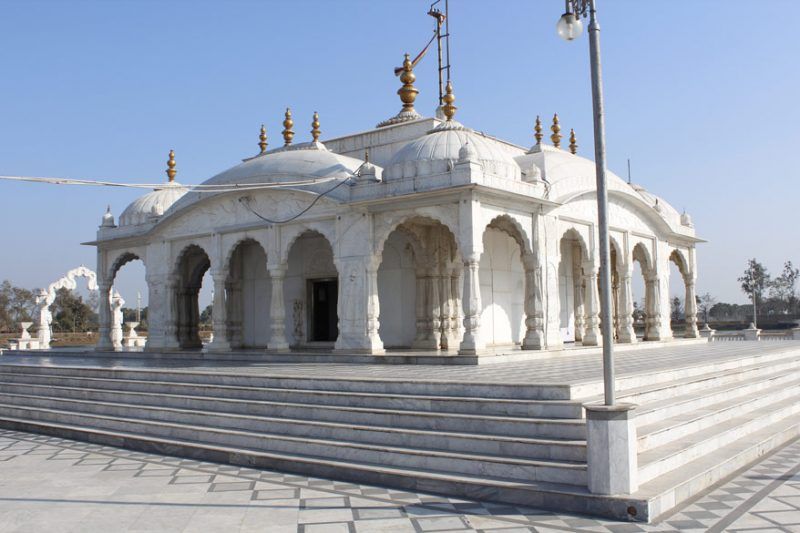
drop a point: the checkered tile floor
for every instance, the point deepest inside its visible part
(53, 484)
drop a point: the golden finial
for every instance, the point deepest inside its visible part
(171, 166)
(288, 134)
(366, 156)
(573, 142)
(315, 127)
(448, 108)
(262, 138)
(556, 129)
(538, 129)
(408, 93)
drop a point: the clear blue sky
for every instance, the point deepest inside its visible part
(701, 95)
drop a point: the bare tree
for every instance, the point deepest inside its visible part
(704, 303)
(755, 281)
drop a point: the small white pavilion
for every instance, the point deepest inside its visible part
(420, 234)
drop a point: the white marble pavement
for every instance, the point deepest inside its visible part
(53, 484)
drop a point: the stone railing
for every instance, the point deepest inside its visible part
(750, 334)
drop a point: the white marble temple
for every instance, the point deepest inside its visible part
(445, 239)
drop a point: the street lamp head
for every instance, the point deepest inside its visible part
(569, 26)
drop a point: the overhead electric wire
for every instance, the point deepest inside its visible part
(208, 188)
(245, 202)
(225, 187)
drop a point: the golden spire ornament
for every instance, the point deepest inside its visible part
(408, 93)
(315, 133)
(288, 133)
(538, 129)
(449, 109)
(171, 172)
(262, 139)
(556, 129)
(573, 142)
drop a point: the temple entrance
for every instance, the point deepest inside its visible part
(323, 298)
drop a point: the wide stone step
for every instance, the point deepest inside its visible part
(470, 464)
(423, 387)
(666, 390)
(691, 479)
(242, 414)
(447, 404)
(662, 459)
(697, 401)
(696, 375)
(673, 428)
(566, 429)
(560, 497)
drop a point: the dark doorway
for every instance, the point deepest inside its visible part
(324, 297)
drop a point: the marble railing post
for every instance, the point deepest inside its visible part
(472, 343)
(104, 316)
(219, 315)
(626, 333)
(374, 343)
(690, 307)
(534, 317)
(591, 335)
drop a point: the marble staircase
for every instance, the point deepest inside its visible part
(508, 442)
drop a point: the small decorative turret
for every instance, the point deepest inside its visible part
(288, 123)
(108, 219)
(262, 139)
(556, 129)
(171, 172)
(538, 129)
(315, 133)
(573, 142)
(448, 99)
(408, 93)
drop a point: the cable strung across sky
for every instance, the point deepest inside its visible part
(227, 187)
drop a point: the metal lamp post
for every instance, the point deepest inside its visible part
(570, 27)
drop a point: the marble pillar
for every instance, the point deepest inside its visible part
(374, 343)
(277, 311)
(219, 315)
(104, 316)
(591, 335)
(690, 307)
(534, 313)
(625, 331)
(472, 343)
(435, 310)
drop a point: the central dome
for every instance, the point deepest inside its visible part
(438, 150)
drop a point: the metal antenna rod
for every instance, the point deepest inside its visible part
(447, 34)
(629, 171)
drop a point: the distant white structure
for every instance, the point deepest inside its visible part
(428, 235)
(46, 297)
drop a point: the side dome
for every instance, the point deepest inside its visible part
(442, 147)
(152, 204)
(290, 163)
